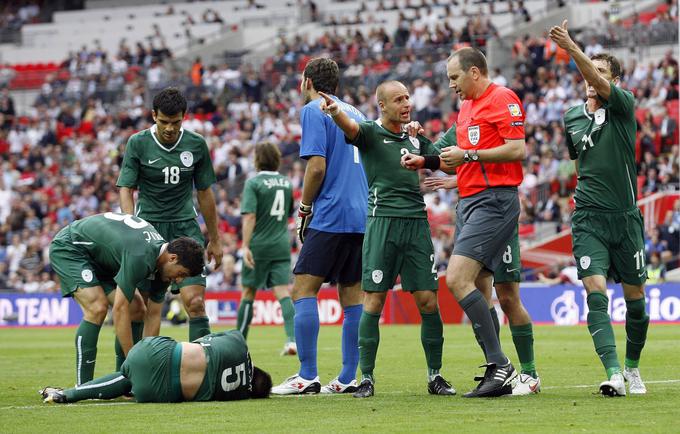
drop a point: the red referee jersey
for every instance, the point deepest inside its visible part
(485, 123)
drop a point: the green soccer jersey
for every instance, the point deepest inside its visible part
(229, 373)
(604, 145)
(123, 247)
(448, 139)
(166, 175)
(269, 196)
(393, 191)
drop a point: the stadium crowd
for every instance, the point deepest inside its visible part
(61, 160)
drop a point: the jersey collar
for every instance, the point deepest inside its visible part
(379, 122)
(585, 111)
(155, 139)
(267, 172)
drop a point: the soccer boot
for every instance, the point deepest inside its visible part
(439, 386)
(296, 385)
(526, 385)
(290, 349)
(53, 395)
(497, 381)
(615, 386)
(635, 384)
(335, 386)
(365, 389)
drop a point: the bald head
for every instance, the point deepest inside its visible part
(386, 89)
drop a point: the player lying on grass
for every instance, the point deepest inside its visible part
(216, 367)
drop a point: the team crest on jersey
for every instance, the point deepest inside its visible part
(87, 275)
(514, 110)
(187, 158)
(473, 135)
(585, 262)
(599, 116)
(377, 276)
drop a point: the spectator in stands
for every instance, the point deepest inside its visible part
(656, 270)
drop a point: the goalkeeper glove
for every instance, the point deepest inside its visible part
(303, 219)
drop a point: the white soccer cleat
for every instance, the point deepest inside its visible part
(635, 384)
(335, 386)
(526, 385)
(615, 386)
(296, 385)
(290, 349)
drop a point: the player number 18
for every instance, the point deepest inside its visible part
(171, 174)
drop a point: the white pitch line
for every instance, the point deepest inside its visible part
(91, 404)
(583, 386)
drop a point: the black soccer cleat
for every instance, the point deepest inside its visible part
(497, 381)
(365, 390)
(53, 395)
(439, 386)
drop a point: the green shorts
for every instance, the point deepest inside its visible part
(511, 265)
(184, 228)
(74, 266)
(266, 274)
(610, 245)
(398, 246)
(153, 368)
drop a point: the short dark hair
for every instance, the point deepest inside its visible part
(469, 57)
(614, 64)
(324, 74)
(189, 254)
(170, 101)
(261, 384)
(267, 156)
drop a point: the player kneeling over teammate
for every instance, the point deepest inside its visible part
(216, 367)
(397, 240)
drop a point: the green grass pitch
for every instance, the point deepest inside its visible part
(569, 369)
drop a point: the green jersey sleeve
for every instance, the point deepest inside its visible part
(249, 198)
(363, 138)
(204, 175)
(621, 101)
(129, 172)
(448, 139)
(426, 146)
(133, 269)
(570, 147)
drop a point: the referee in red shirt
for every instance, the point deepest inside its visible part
(490, 135)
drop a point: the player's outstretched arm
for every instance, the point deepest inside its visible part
(127, 200)
(560, 35)
(344, 122)
(206, 202)
(121, 320)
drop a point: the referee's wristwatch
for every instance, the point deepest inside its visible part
(470, 156)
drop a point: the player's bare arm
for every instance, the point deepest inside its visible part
(315, 172)
(591, 74)
(127, 200)
(346, 124)
(121, 320)
(206, 202)
(248, 222)
(152, 320)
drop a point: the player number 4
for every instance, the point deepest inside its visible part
(639, 259)
(278, 210)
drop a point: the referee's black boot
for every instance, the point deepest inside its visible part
(497, 381)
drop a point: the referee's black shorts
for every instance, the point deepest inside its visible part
(334, 256)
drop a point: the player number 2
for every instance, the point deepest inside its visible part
(171, 174)
(234, 377)
(639, 259)
(356, 154)
(434, 267)
(507, 255)
(277, 207)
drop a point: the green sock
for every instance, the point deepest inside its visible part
(87, 336)
(107, 387)
(137, 331)
(432, 338)
(523, 338)
(245, 316)
(637, 322)
(288, 313)
(600, 327)
(369, 338)
(198, 327)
